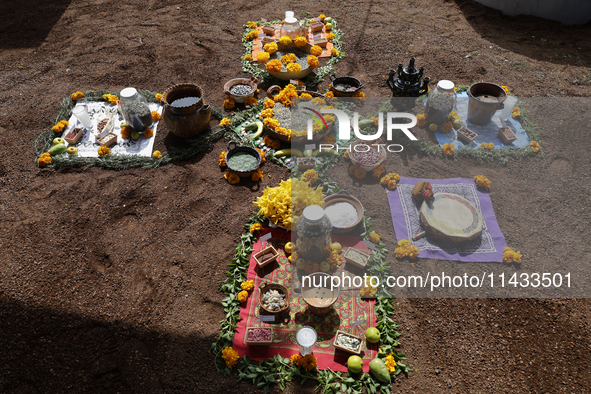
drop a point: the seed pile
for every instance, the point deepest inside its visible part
(259, 334)
(241, 89)
(372, 156)
(348, 342)
(273, 300)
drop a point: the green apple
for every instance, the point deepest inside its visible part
(328, 26)
(58, 141)
(324, 266)
(328, 19)
(135, 135)
(355, 364)
(72, 151)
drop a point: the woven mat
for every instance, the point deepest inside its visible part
(258, 47)
(405, 217)
(348, 309)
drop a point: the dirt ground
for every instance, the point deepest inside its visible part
(108, 280)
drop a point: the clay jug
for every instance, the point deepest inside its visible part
(485, 99)
(185, 112)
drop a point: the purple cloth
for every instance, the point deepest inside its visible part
(405, 217)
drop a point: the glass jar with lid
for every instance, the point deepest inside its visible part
(135, 110)
(290, 26)
(441, 102)
(313, 231)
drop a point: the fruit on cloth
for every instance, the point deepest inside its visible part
(288, 247)
(372, 335)
(336, 247)
(355, 364)
(324, 266)
(378, 369)
(328, 26)
(135, 135)
(432, 127)
(72, 151)
(259, 129)
(301, 264)
(57, 149)
(59, 141)
(457, 124)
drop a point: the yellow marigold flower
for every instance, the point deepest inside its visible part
(330, 36)
(300, 41)
(274, 66)
(225, 122)
(334, 51)
(516, 113)
(294, 68)
(257, 175)
(404, 242)
(248, 57)
(156, 116)
(506, 89)
(421, 120)
(44, 160)
(157, 155)
(232, 178)
(308, 362)
(65, 123)
(535, 146)
(359, 96)
(374, 237)
(487, 146)
(390, 364)
(268, 113)
(222, 159)
(111, 98)
(448, 149)
(271, 47)
(104, 150)
(252, 25)
(158, 96)
(58, 128)
(305, 97)
(316, 50)
(359, 173)
(310, 176)
(248, 285)
(482, 181)
(271, 123)
(346, 155)
(252, 35)
(269, 103)
(229, 103)
(511, 256)
(322, 17)
(230, 356)
(250, 101)
(392, 184)
(412, 252)
(400, 252)
(378, 171)
(375, 120)
(285, 40)
(254, 228)
(329, 139)
(368, 292)
(446, 127)
(263, 159)
(330, 95)
(263, 57)
(289, 58)
(319, 101)
(282, 130)
(148, 133)
(75, 96)
(126, 132)
(313, 61)
(295, 359)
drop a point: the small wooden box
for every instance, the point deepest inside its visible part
(507, 135)
(321, 42)
(269, 30)
(267, 40)
(466, 135)
(318, 26)
(364, 256)
(358, 351)
(108, 140)
(259, 255)
(77, 135)
(269, 342)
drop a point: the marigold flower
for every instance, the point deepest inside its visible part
(273, 143)
(75, 96)
(359, 173)
(294, 68)
(516, 113)
(230, 356)
(319, 101)
(300, 41)
(268, 113)
(252, 25)
(374, 237)
(44, 160)
(330, 36)
(421, 120)
(247, 285)
(225, 122)
(263, 57)
(148, 133)
(248, 57)
(391, 185)
(158, 96)
(334, 51)
(254, 228)
(535, 146)
(405, 249)
(156, 116)
(313, 61)
(250, 101)
(321, 17)
(390, 364)
(222, 159)
(268, 103)
(257, 175)
(295, 359)
(157, 155)
(330, 95)
(104, 151)
(111, 98)
(263, 159)
(232, 178)
(305, 97)
(506, 89)
(448, 149)
(58, 128)
(310, 176)
(271, 123)
(511, 256)
(482, 181)
(487, 146)
(316, 50)
(308, 362)
(229, 103)
(289, 58)
(126, 132)
(252, 35)
(359, 96)
(368, 292)
(271, 47)
(285, 40)
(274, 66)
(346, 155)
(378, 171)
(446, 127)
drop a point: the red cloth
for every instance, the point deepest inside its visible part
(348, 308)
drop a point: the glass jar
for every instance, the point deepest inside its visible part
(135, 110)
(441, 102)
(290, 26)
(313, 230)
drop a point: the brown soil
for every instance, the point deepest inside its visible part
(108, 280)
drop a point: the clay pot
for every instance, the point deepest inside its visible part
(233, 148)
(252, 82)
(351, 81)
(185, 121)
(485, 99)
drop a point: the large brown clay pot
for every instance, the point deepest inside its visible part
(188, 120)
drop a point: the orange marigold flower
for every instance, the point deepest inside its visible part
(359, 96)
(232, 178)
(482, 181)
(446, 127)
(448, 149)
(535, 146)
(310, 176)
(511, 256)
(250, 102)
(254, 228)
(274, 66)
(157, 154)
(359, 173)
(487, 146)
(305, 97)
(271, 123)
(225, 122)
(334, 51)
(126, 132)
(313, 61)
(300, 41)
(104, 151)
(158, 96)
(295, 359)
(263, 159)
(263, 57)
(252, 35)
(268, 113)
(309, 362)
(378, 171)
(257, 175)
(222, 159)
(421, 120)
(506, 89)
(229, 103)
(269, 103)
(252, 25)
(75, 96)
(330, 36)
(321, 17)
(294, 68)
(230, 356)
(374, 237)
(391, 184)
(330, 95)
(247, 285)
(44, 160)
(148, 133)
(156, 116)
(271, 47)
(316, 50)
(289, 58)
(285, 40)
(248, 57)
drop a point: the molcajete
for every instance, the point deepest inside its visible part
(185, 112)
